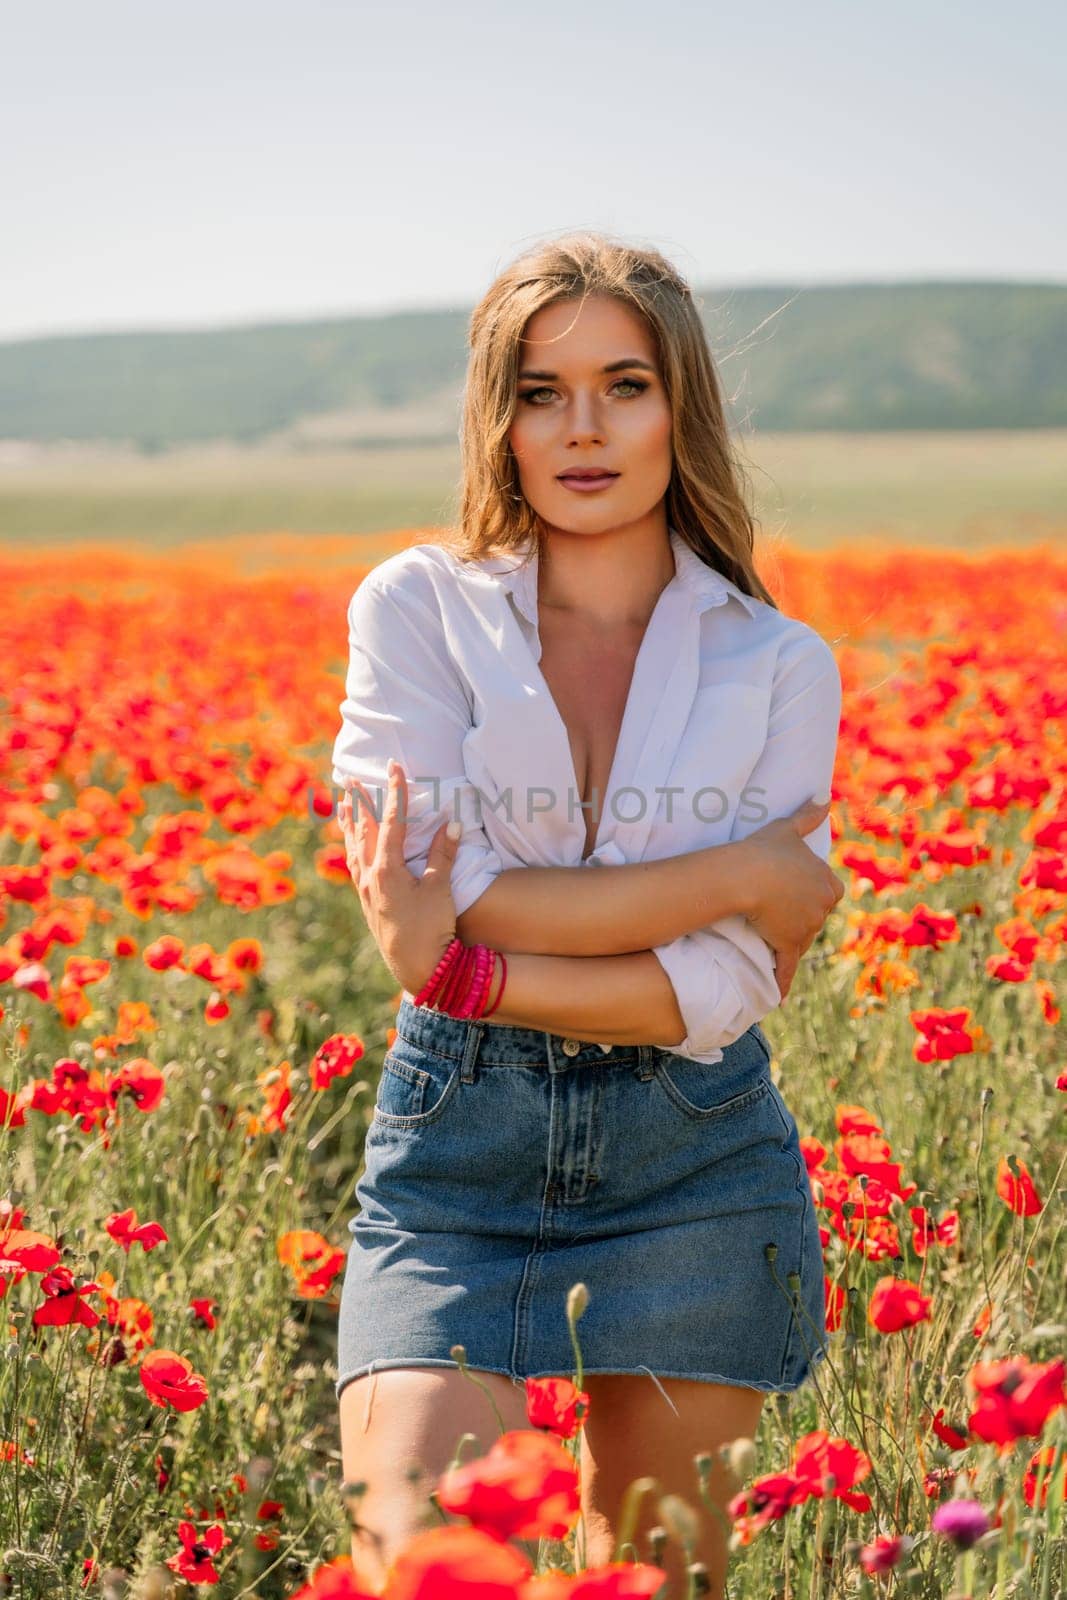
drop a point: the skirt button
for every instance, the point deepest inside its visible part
(571, 1047)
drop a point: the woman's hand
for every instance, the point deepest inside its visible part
(794, 889)
(412, 919)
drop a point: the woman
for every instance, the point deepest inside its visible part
(588, 673)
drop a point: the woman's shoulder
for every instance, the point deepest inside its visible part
(411, 569)
(789, 638)
(803, 659)
(413, 574)
(425, 584)
(789, 632)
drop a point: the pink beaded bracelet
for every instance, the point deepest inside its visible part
(462, 981)
(433, 982)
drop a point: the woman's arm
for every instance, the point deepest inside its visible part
(610, 910)
(702, 989)
(625, 999)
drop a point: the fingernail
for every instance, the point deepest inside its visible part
(454, 829)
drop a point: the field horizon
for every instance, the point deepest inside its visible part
(977, 489)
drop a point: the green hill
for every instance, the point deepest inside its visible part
(855, 358)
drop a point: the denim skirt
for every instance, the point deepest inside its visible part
(504, 1165)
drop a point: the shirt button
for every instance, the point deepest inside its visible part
(571, 1047)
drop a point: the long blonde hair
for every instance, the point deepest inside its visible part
(705, 500)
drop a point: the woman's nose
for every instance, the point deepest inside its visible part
(584, 422)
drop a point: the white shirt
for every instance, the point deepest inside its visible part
(728, 697)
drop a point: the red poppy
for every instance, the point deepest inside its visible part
(925, 1231)
(944, 1033)
(895, 1304)
(1046, 996)
(216, 1009)
(818, 1461)
(246, 955)
(855, 1119)
(335, 1058)
(313, 1260)
(198, 1549)
(24, 1250)
(1043, 1460)
(765, 1500)
(813, 1152)
(526, 1487)
(982, 1322)
(818, 1457)
(453, 1562)
(140, 1080)
(169, 1380)
(333, 1580)
(163, 953)
(954, 1438)
(1015, 1397)
(1017, 1192)
(556, 1404)
(123, 1227)
(65, 1301)
(885, 1551)
(204, 1312)
(834, 1298)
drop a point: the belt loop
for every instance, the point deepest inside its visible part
(468, 1072)
(646, 1067)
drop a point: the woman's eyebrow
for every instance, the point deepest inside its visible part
(612, 366)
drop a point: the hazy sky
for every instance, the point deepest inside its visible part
(175, 164)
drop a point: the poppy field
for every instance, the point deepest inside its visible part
(192, 1023)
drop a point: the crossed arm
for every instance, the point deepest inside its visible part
(625, 954)
(579, 940)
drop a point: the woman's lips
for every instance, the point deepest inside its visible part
(587, 485)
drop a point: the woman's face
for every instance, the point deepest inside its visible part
(573, 413)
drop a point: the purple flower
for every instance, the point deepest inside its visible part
(962, 1521)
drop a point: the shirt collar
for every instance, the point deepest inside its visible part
(708, 587)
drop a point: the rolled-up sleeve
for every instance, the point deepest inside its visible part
(405, 699)
(723, 975)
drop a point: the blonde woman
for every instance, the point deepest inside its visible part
(586, 673)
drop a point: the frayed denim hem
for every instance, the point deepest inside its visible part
(765, 1387)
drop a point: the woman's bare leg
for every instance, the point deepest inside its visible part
(633, 1432)
(405, 1420)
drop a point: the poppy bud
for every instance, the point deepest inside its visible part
(577, 1300)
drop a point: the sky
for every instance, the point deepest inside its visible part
(219, 162)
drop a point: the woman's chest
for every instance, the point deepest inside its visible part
(590, 677)
(649, 719)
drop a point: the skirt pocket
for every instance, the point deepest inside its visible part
(736, 1083)
(681, 1086)
(416, 1085)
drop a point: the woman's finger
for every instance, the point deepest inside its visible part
(352, 819)
(365, 828)
(391, 837)
(348, 831)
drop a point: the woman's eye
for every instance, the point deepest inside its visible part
(630, 383)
